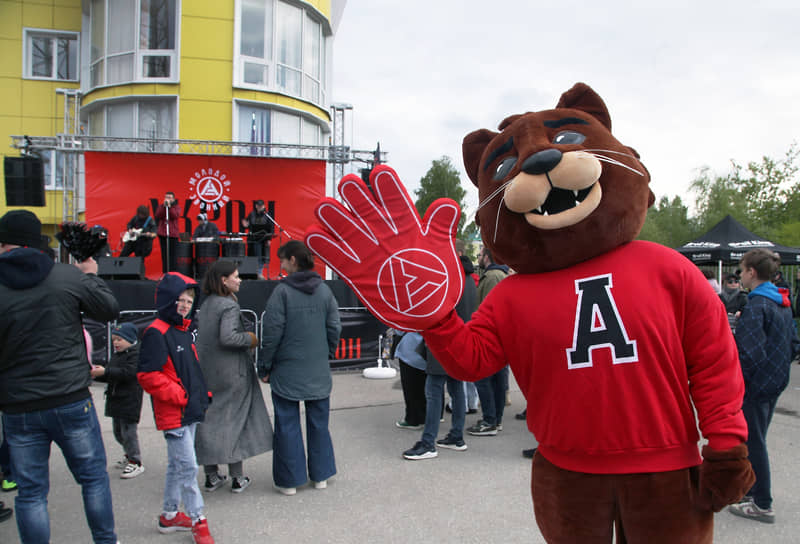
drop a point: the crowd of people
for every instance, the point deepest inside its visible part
(196, 364)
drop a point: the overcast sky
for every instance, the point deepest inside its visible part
(688, 83)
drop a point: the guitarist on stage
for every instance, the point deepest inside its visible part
(139, 236)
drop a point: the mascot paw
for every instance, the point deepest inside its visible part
(725, 476)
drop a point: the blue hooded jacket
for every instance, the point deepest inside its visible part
(767, 342)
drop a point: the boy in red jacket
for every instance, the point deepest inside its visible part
(170, 373)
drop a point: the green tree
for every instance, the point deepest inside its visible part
(668, 223)
(441, 181)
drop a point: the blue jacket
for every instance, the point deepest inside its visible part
(168, 364)
(767, 342)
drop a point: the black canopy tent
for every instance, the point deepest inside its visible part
(727, 241)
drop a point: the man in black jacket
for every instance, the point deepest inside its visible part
(44, 376)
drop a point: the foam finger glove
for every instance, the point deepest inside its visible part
(403, 268)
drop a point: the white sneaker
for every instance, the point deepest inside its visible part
(132, 470)
(286, 490)
(321, 485)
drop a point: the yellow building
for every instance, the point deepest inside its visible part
(149, 75)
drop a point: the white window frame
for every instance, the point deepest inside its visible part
(273, 108)
(27, 60)
(271, 64)
(139, 52)
(137, 100)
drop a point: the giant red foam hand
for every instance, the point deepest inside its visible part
(405, 270)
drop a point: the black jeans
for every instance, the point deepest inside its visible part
(173, 243)
(758, 414)
(413, 382)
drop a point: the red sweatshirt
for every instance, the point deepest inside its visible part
(613, 355)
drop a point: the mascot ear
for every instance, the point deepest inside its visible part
(472, 149)
(582, 97)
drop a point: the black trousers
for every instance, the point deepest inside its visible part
(413, 382)
(173, 243)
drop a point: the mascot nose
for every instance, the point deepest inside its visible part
(541, 162)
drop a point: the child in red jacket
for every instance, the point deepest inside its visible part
(170, 373)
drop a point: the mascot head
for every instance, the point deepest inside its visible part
(555, 186)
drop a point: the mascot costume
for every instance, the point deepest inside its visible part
(619, 346)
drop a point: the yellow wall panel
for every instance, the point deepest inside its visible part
(11, 93)
(206, 80)
(37, 15)
(38, 99)
(67, 17)
(11, 58)
(219, 9)
(10, 125)
(202, 120)
(206, 39)
(10, 19)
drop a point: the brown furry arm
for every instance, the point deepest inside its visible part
(725, 476)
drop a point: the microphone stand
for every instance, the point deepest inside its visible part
(280, 230)
(166, 210)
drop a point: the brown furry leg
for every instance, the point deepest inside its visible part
(661, 507)
(571, 507)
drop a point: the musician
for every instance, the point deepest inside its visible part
(139, 234)
(205, 228)
(261, 230)
(167, 215)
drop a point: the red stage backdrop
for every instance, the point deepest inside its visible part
(222, 186)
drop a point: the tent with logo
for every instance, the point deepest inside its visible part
(727, 241)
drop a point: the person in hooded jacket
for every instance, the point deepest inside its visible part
(44, 376)
(124, 396)
(300, 333)
(767, 343)
(169, 371)
(733, 298)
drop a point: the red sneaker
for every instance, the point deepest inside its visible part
(181, 522)
(200, 533)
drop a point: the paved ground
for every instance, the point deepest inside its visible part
(480, 495)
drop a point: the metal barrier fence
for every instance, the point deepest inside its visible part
(359, 343)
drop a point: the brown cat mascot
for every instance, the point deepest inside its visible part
(619, 346)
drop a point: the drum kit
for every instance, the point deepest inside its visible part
(194, 257)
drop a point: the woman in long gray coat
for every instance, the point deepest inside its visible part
(237, 424)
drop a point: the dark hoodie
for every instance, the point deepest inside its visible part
(43, 361)
(306, 281)
(168, 365)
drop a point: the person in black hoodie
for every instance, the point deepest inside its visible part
(44, 375)
(124, 395)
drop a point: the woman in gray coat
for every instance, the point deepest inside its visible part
(300, 333)
(237, 424)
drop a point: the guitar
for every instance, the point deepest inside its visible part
(134, 234)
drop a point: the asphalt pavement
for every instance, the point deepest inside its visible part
(481, 495)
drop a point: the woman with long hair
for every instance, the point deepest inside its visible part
(237, 425)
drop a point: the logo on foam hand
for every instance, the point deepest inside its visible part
(413, 282)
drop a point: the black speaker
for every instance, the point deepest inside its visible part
(24, 181)
(121, 268)
(249, 267)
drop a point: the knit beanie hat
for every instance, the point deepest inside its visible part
(126, 331)
(21, 228)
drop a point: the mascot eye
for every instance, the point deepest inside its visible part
(569, 137)
(504, 168)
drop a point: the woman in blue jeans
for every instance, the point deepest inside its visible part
(300, 333)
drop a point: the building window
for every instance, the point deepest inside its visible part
(51, 54)
(259, 124)
(141, 46)
(53, 162)
(144, 119)
(280, 47)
